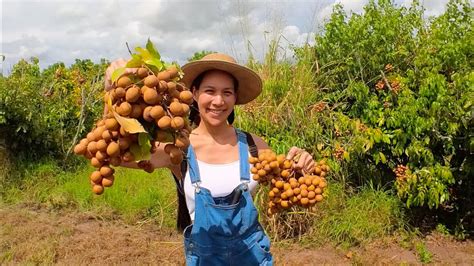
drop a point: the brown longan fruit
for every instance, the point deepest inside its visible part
(311, 195)
(186, 108)
(151, 96)
(108, 181)
(101, 156)
(253, 160)
(157, 112)
(113, 149)
(98, 132)
(132, 94)
(322, 184)
(124, 109)
(318, 197)
(90, 136)
(164, 122)
(92, 147)
(106, 135)
(172, 72)
(304, 201)
(95, 162)
(171, 85)
(176, 108)
(254, 170)
(146, 114)
(163, 86)
(106, 171)
(96, 177)
(151, 81)
(124, 81)
(304, 193)
(316, 181)
(279, 184)
(98, 189)
(80, 149)
(318, 190)
(177, 122)
(317, 170)
(120, 92)
(284, 204)
(142, 72)
(181, 142)
(111, 124)
(173, 92)
(164, 75)
(84, 142)
(124, 143)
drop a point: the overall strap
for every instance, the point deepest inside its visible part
(251, 143)
(193, 167)
(243, 156)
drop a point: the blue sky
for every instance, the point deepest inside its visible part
(61, 31)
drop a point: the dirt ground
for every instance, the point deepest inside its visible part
(33, 235)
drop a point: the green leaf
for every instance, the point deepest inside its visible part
(154, 62)
(143, 53)
(136, 61)
(346, 156)
(142, 150)
(382, 158)
(117, 73)
(151, 48)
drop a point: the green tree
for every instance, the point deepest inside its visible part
(199, 55)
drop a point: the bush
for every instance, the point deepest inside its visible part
(43, 111)
(387, 96)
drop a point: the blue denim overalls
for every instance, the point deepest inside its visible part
(224, 233)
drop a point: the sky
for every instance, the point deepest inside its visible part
(63, 30)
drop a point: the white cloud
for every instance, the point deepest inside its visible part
(55, 30)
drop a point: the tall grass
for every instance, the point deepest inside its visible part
(136, 196)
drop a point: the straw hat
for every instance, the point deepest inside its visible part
(250, 84)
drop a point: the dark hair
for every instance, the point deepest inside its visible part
(194, 114)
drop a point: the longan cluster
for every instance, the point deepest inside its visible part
(105, 146)
(159, 102)
(401, 172)
(288, 187)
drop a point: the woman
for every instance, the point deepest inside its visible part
(224, 226)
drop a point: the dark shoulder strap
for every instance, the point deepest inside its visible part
(252, 147)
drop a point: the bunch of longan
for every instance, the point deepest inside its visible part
(288, 187)
(159, 102)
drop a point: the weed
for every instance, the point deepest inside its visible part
(424, 255)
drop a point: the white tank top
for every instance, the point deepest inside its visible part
(219, 179)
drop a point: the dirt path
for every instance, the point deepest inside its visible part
(35, 235)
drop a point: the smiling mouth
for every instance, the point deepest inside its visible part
(215, 112)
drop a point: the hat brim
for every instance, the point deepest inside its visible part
(250, 84)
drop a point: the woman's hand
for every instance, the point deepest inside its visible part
(303, 160)
(110, 70)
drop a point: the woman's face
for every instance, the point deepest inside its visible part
(215, 97)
